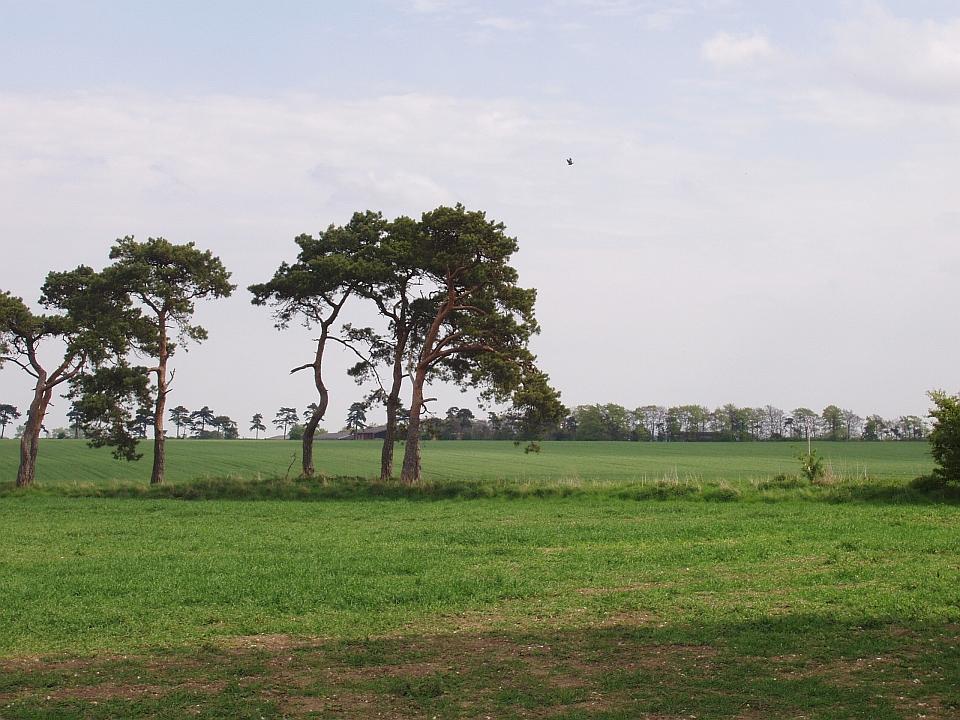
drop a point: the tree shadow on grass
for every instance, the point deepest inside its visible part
(623, 667)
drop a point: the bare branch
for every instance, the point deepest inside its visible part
(363, 359)
(302, 367)
(24, 366)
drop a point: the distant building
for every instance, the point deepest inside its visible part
(377, 432)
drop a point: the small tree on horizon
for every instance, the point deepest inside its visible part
(284, 418)
(8, 413)
(256, 424)
(226, 426)
(180, 417)
(357, 416)
(75, 416)
(142, 420)
(199, 419)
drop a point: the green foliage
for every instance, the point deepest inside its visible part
(945, 437)
(484, 320)
(601, 422)
(92, 321)
(256, 424)
(166, 279)
(285, 417)
(811, 466)
(357, 416)
(199, 419)
(154, 286)
(296, 432)
(329, 268)
(108, 403)
(180, 417)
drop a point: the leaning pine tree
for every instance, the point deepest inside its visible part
(89, 322)
(313, 291)
(480, 323)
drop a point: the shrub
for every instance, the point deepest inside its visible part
(811, 466)
(721, 493)
(296, 432)
(945, 437)
(782, 481)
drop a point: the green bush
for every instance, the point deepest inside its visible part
(811, 466)
(721, 493)
(296, 432)
(945, 437)
(783, 481)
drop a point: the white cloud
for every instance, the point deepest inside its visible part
(909, 59)
(725, 50)
(507, 24)
(433, 6)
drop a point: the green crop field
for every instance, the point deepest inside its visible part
(73, 461)
(581, 597)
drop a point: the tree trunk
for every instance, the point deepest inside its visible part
(389, 439)
(393, 405)
(30, 440)
(308, 434)
(311, 429)
(159, 441)
(411, 452)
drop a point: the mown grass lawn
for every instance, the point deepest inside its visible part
(591, 606)
(72, 461)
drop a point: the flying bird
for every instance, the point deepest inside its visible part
(569, 161)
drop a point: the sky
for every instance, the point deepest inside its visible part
(764, 205)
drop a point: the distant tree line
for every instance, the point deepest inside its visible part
(697, 423)
(685, 423)
(648, 423)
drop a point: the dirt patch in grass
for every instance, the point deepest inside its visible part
(632, 587)
(112, 691)
(617, 667)
(348, 706)
(269, 643)
(461, 675)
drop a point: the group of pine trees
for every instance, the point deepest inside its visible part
(449, 304)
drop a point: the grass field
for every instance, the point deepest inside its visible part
(72, 461)
(592, 605)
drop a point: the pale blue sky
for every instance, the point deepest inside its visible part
(763, 208)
